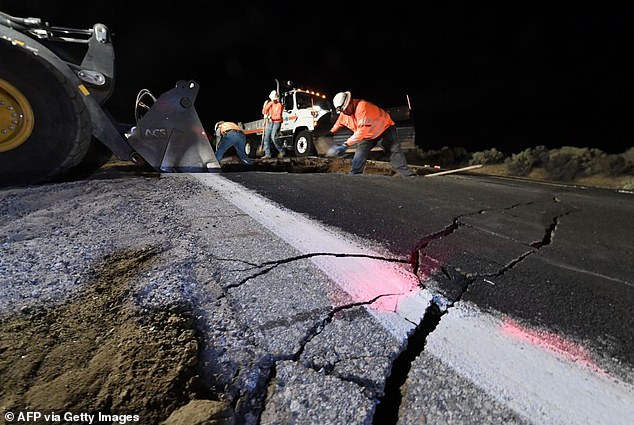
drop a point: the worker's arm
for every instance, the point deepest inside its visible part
(371, 121)
(338, 125)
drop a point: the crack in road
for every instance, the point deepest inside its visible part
(549, 234)
(388, 407)
(414, 258)
(259, 401)
(267, 266)
(415, 339)
(311, 333)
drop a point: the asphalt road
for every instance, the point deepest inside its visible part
(555, 262)
(330, 299)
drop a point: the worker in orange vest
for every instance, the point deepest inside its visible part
(229, 134)
(370, 125)
(272, 111)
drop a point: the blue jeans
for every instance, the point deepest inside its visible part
(270, 135)
(391, 144)
(236, 139)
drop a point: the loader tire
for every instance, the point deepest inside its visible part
(303, 145)
(97, 155)
(45, 128)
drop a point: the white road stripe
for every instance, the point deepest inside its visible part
(531, 380)
(401, 304)
(535, 382)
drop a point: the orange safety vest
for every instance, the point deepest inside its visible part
(227, 126)
(367, 122)
(274, 109)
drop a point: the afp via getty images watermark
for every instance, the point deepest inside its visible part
(35, 416)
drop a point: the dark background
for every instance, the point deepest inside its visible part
(476, 76)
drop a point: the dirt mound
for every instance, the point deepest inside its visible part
(101, 353)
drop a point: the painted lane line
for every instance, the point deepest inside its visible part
(540, 382)
(535, 380)
(401, 304)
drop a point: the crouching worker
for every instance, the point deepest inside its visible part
(370, 125)
(230, 134)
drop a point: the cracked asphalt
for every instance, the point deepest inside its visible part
(556, 259)
(281, 341)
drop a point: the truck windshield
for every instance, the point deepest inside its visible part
(305, 100)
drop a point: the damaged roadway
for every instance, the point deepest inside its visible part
(173, 298)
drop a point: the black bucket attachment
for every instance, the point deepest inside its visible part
(170, 137)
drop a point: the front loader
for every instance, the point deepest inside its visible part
(54, 82)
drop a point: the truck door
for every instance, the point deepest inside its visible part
(289, 115)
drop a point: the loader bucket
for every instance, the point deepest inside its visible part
(170, 137)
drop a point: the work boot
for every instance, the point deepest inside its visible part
(280, 155)
(266, 157)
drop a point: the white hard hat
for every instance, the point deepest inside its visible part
(273, 95)
(341, 100)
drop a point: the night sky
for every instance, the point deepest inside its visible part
(477, 76)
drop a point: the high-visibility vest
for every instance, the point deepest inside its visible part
(274, 110)
(227, 126)
(367, 122)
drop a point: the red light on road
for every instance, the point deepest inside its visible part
(556, 344)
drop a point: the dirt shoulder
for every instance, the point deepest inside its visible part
(567, 165)
(81, 330)
(623, 182)
(101, 353)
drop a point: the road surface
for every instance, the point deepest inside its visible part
(329, 299)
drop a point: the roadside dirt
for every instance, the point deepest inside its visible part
(127, 351)
(100, 353)
(624, 182)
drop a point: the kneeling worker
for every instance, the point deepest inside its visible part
(370, 125)
(230, 134)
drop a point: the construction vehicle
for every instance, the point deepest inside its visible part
(306, 114)
(54, 82)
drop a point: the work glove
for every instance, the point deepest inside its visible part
(337, 150)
